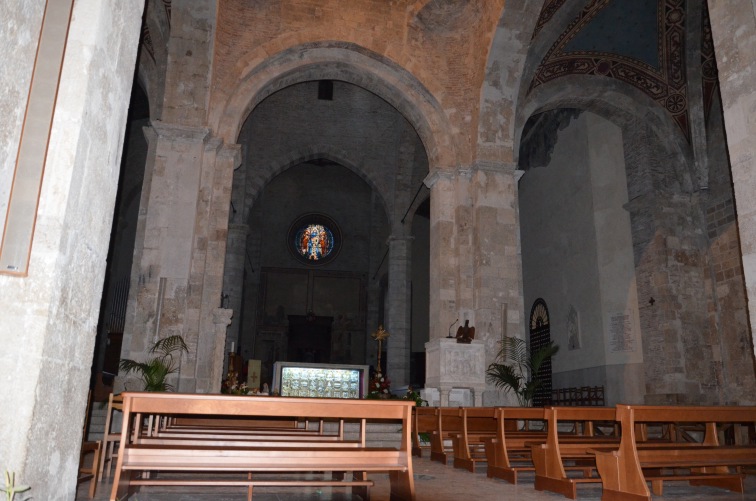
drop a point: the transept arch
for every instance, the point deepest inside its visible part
(618, 103)
(350, 63)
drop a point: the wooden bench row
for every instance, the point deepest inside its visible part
(180, 439)
(587, 439)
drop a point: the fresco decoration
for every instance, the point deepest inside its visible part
(314, 239)
(602, 41)
(147, 41)
(167, 5)
(709, 71)
(547, 12)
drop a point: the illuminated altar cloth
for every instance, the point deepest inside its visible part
(296, 379)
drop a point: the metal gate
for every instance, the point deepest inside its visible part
(540, 336)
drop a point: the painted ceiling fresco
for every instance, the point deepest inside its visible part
(709, 72)
(547, 12)
(639, 42)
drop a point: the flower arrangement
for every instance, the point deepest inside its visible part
(231, 386)
(379, 387)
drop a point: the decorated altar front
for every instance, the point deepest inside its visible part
(296, 379)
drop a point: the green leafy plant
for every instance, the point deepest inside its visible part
(515, 366)
(155, 371)
(11, 489)
(414, 395)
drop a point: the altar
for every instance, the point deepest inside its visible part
(296, 379)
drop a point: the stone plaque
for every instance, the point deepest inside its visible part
(621, 332)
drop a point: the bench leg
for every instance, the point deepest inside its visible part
(122, 486)
(402, 485)
(362, 490)
(560, 486)
(657, 487)
(621, 479)
(733, 483)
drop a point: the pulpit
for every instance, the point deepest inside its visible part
(452, 365)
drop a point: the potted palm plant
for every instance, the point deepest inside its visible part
(155, 371)
(515, 366)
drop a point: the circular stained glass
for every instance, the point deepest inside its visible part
(314, 239)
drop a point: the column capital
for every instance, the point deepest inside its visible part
(238, 227)
(432, 178)
(231, 152)
(490, 166)
(180, 133)
(222, 316)
(468, 171)
(404, 238)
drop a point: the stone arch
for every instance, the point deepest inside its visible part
(153, 57)
(272, 169)
(506, 62)
(350, 63)
(618, 103)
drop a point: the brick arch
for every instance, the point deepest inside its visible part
(617, 102)
(350, 63)
(271, 169)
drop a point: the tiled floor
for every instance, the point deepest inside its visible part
(433, 482)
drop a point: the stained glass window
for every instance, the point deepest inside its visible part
(314, 238)
(314, 242)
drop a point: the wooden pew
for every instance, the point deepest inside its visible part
(448, 424)
(507, 453)
(141, 452)
(478, 424)
(424, 421)
(549, 457)
(626, 470)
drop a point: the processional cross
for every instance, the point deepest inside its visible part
(379, 336)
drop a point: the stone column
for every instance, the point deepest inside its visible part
(164, 244)
(211, 230)
(496, 263)
(233, 279)
(733, 26)
(443, 253)
(221, 321)
(398, 310)
(476, 270)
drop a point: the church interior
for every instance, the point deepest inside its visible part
(275, 180)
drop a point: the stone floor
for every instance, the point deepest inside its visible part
(433, 482)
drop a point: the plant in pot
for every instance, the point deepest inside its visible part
(155, 371)
(515, 366)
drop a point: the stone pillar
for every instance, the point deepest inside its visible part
(443, 254)
(210, 239)
(47, 328)
(163, 248)
(476, 270)
(221, 320)
(733, 26)
(233, 279)
(398, 310)
(496, 262)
